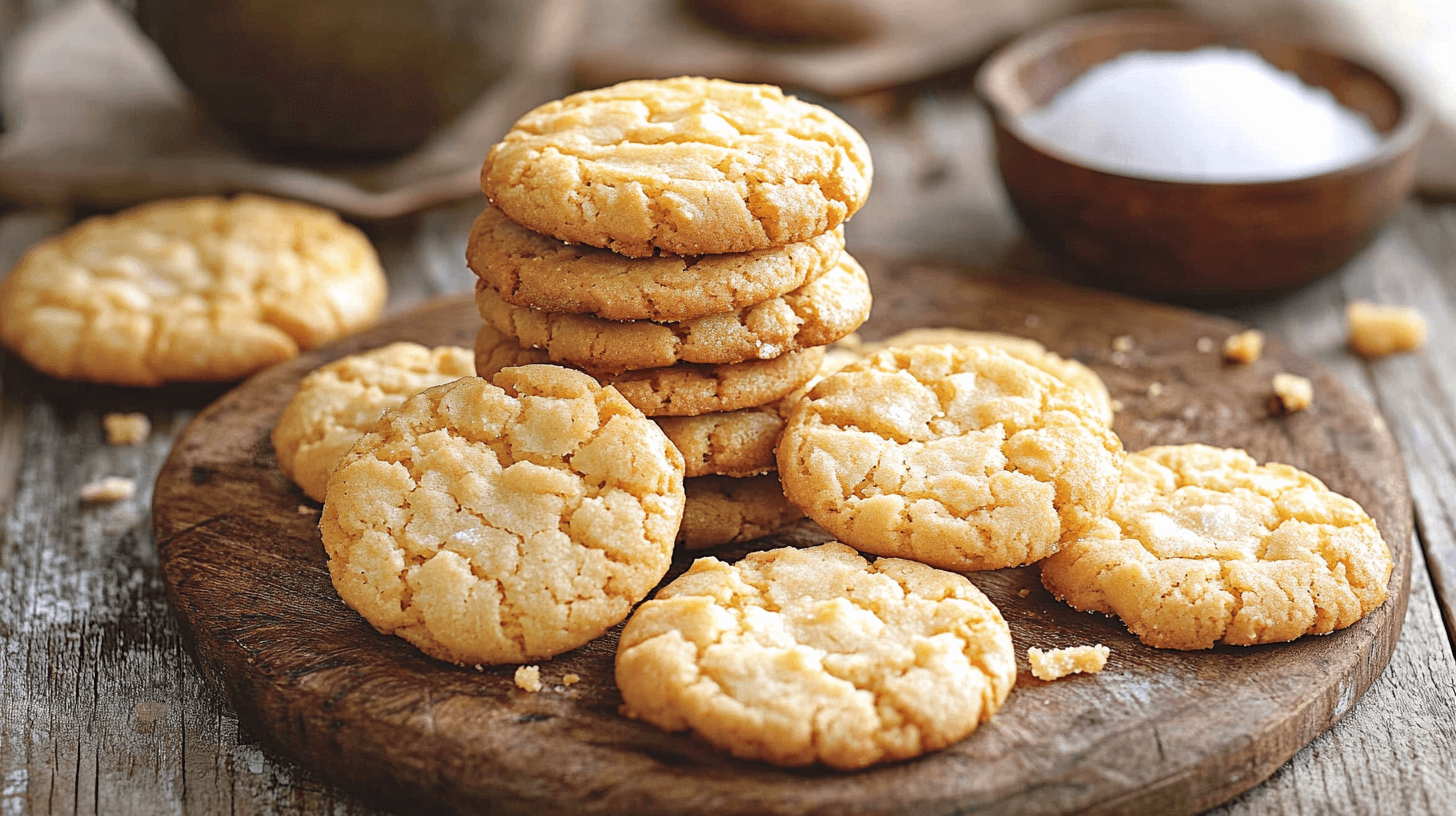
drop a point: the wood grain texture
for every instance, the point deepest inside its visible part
(1158, 731)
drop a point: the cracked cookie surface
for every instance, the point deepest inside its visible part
(961, 457)
(1074, 373)
(685, 389)
(503, 522)
(188, 290)
(688, 165)
(801, 656)
(725, 510)
(529, 269)
(337, 403)
(1204, 546)
(817, 313)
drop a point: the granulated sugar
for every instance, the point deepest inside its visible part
(1214, 114)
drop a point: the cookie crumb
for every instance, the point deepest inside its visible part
(1377, 330)
(528, 678)
(1023, 592)
(1122, 342)
(1243, 348)
(1117, 405)
(1205, 345)
(571, 678)
(1052, 664)
(1155, 389)
(305, 510)
(126, 429)
(1291, 393)
(109, 489)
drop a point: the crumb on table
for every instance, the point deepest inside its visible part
(571, 678)
(1243, 348)
(1122, 342)
(1377, 330)
(126, 429)
(1205, 345)
(1052, 664)
(1291, 393)
(109, 489)
(528, 678)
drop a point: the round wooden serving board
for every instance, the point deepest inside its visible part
(1156, 731)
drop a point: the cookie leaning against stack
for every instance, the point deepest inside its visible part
(702, 272)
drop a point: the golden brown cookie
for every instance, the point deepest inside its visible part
(685, 389)
(539, 272)
(1205, 546)
(197, 289)
(724, 510)
(801, 656)
(727, 443)
(819, 312)
(1025, 349)
(504, 522)
(690, 166)
(336, 403)
(963, 457)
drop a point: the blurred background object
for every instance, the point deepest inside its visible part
(99, 118)
(794, 21)
(354, 106)
(336, 79)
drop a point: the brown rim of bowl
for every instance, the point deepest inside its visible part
(995, 83)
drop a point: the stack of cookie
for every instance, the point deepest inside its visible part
(681, 240)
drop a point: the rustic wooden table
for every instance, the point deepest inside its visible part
(103, 710)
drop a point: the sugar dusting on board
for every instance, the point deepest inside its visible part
(1213, 114)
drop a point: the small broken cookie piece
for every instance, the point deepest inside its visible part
(528, 678)
(1054, 664)
(1377, 330)
(1291, 393)
(109, 489)
(1243, 348)
(1205, 546)
(797, 656)
(126, 429)
(504, 521)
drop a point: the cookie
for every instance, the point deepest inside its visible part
(690, 166)
(503, 522)
(529, 269)
(962, 457)
(724, 510)
(197, 289)
(727, 443)
(689, 389)
(1205, 546)
(494, 351)
(336, 403)
(1025, 349)
(816, 655)
(817, 313)
(685, 389)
